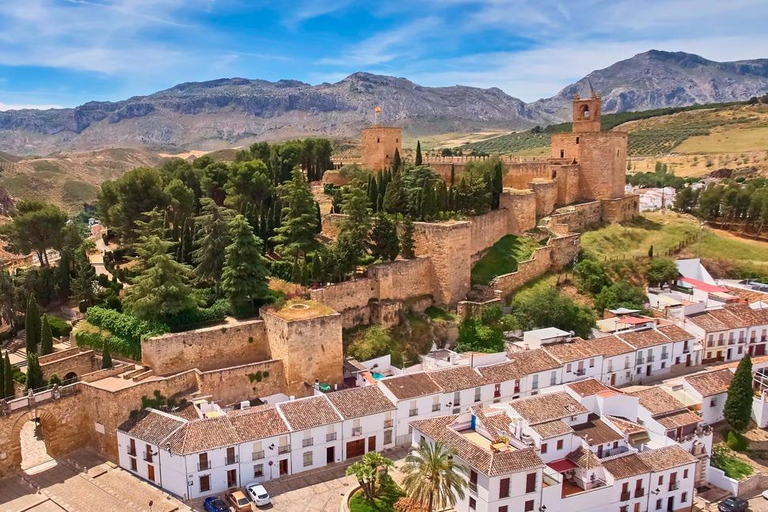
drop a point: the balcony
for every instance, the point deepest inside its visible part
(436, 407)
(650, 359)
(639, 493)
(307, 442)
(257, 455)
(414, 412)
(664, 356)
(388, 423)
(131, 451)
(625, 496)
(283, 449)
(357, 431)
(673, 486)
(331, 436)
(231, 459)
(473, 488)
(204, 465)
(147, 456)
(580, 372)
(640, 361)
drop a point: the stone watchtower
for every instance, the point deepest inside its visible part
(378, 146)
(586, 114)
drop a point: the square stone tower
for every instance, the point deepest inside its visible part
(586, 114)
(378, 146)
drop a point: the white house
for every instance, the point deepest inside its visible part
(369, 420)
(709, 391)
(580, 359)
(665, 416)
(525, 374)
(730, 331)
(315, 438)
(415, 396)
(653, 354)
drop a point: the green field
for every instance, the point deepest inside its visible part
(503, 258)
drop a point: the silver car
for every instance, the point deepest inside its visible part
(258, 494)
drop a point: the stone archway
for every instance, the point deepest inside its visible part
(33, 438)
(69, 378)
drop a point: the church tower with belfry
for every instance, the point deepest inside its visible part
(378, 144)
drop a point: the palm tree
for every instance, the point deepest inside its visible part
(433, 478)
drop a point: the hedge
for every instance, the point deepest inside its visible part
(59, 326)
(123, 325)
(117, 345)
(194, 318)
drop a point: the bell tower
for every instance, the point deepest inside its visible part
(586, 113)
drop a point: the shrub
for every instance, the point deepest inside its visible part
(123, 325)
(736, 441)
(117, 346)
(59, 326)
(198, 317)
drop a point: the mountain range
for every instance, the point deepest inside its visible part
(237, 111)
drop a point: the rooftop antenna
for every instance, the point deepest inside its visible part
(376, 112)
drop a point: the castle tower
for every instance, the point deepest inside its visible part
(586, 114)
(378, 145)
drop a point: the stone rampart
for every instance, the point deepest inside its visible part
(546, 196)
(237, 383)
(578, 217)
(79, 363)
(449, 247)
(621, 209)
(521, 208)
(245, 342)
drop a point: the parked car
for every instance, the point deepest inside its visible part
(238, 501)
(765, 494)
(733, 504)
(258, 494)
(214, 504)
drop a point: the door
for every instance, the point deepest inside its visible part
(600, 452)
(232, 478)
(283, 464)
(151, 473)
(688, 360)
(372, 444)
(355, 448)
(671, 503)
(330, 455)
(648, 371)
(728, 355)
(613, 379)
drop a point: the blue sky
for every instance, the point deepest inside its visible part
(67, 52)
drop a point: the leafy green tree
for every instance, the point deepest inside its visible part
(84, 280)
(370, 473)
(620, 295)
(590, 276)
(11, 301)
(162, 289)
(407, 248)
(395, 198)
(248, 183)
(244, 279)
(661, 271)
(35, 378)
(385, 244)
(106, 356)
(418, 160)
(35, 227)
(214, 181)
(8, 389)
(542, 306)
(33, 326)
(375, 341)
(474, 336)
(46, 337)
(354, 230)
(297, 236)
(212, 238)
(433, 477)
(473, 194)
(738, 404)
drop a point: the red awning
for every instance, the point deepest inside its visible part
(562, 465)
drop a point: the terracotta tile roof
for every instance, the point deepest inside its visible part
(547, 407)
(357, 402)
(612, 346)
(457, 378)
(497, 422)
(583, 458)
(203, 435)
(675, 333)
(657, 401)
(551, 429)
(644, 339)
(711, 383)
(574, 350)
(481, 460)
(588, 387)
(151, 426)
(595, 431)
(667, 457)
(626, 426)
(311, 412)
(678, 419)
(736, 316)
(519, 365)
(258, 423)
(626, 466)
(411, 385)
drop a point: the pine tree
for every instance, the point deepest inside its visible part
(106, 356)
(418, 160)
(211, 240)
(319, 216)
(85, 277)
(317, 268)
(297, 236)
(395, 198)
(406, 241)
(162, 289)
(354, 230)
(397, 162)
(7, 389)
(35, 378)
(385, 244)
(46, 337)
(650, 252)
(32, 325)
(244, 279)
(738, 404)
(373, 193)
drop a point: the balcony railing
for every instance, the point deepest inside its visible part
(639, 493)
(388, 423)
(283, 449)
(258, 455)
(414, 412)
(131, 451)
(640, 361)
(231, 459)
(436, 407)
(307, 442)
(581, 371)
(147, 456)
(664, 356)
(330, 436)
(204, 465)
(356, 431)
(473, 487)
(650, 359)
(673, 486)
(625, 496)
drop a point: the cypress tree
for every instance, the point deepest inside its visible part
(384, 242)
(418, 160)
(395, 199)
(244, 279)
(85, 276)
(319, 218)
(453, 175)
(738, 404)
(317, 268)
(406, 241)
(373, 194)
(497, 186)
(7, 389)
(106, 356)
(33, 325)
(212, 239)
(34, 372)
(396, 161)
(46, 337)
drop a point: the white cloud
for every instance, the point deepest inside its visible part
(6, 106)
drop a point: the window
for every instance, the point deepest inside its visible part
(535, 382)
(202, 462)
(529, 506)
(530, 482)
(436, 403)
(258, 470)
(713, 402)
(543, 447)
(553, 378)
(658, 504)
(307, 440)
(134, 467)
(205, 483)
(684, 497)
(503, 508)
(592, 363)
(456, 399)
(388, 436)
(559, 444)
(308, 458)
(685, 473)
(504, 488)
(577, 140)
(413, 410)
(472, 503)
(661, 479)
(477, 394)
(568, 367)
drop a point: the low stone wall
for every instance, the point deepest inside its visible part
(350, 298)
(116, 370)
(546, 196)
(334, 178)
(231, 385)
(245, 342)
(578, 216)
(620, 210)
(487, 229)
(78, 363)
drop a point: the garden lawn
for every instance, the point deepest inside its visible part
(503, 258)
(390, 493)
(734, 467)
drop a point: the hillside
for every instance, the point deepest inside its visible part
(71, 179)
(226, 113)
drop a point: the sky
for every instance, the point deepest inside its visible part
(63, 53)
